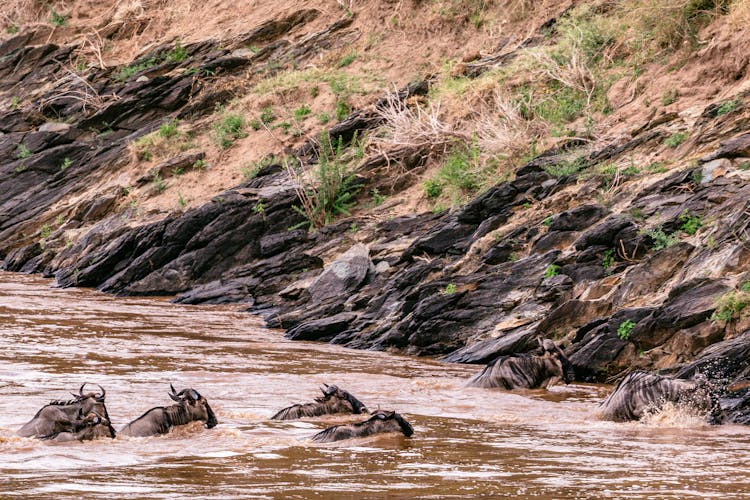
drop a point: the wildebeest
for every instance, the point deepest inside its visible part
(334, 400)
(379, 422)
(59, 416)
(640, 391)
(543, 368)
(85, 428)
(190, 407)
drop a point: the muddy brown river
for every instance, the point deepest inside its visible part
(467, 442)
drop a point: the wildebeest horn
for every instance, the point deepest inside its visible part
(172, 387)
(80, 391)
(173, 394)
(102, 396)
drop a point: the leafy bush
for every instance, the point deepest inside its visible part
(432, 188)
(230, 128)
(177, 54)
(302, 112)
(565, 168)
(661, 239)
(608, 259)
(328, 189)
(347, 60)
(169, 129)
(690, 223)
(23, 152)
(450, 289)
(675, 139)
(57, 19)
(67, 162)
(727, 107)
(551, 271)
(730, 306)
(342, 109)
(624, 330)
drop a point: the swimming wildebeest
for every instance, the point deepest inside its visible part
(543, 368)
(640, 391)
(59, 416)
(85, 428)
(334, 400)
(190, 407)
(379, 422)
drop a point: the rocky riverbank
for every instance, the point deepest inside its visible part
(638, 267)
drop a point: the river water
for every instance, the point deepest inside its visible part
(467, 441)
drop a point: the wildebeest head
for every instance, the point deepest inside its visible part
(195, 404)
(58, 415)
(380, 422)
(405, 426)
(85, 427)
(91, 401)
(331, 391)
(549, 349)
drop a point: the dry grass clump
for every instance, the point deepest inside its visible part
(415, 127)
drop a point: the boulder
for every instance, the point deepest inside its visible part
(342, 276)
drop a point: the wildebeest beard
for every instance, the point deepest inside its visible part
(334, 400)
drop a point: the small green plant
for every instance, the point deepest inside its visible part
(15, 101)
(324, 118)
(130, 70)
(67, 162)
(745, 286)
(727, 107)
(432, 188)
(228, 129)
(565, 168)
(45, 231)
(657, 167)
(377, 198)
(23, 152)
(353, 227)
(178, 53)
(57, 19)
(552, 271)
(169, 129)
(181, 201)
(669, 97)
(267, 115)
(158, 183)
(730, 306)
(302, 112)
(548, 221)
(608, 259)
(660, 238)
(624, 330)
(690, 223)
(12, 29)
(342, 109)
(631, 171)
(450, 289)
(256, 124)
(675, 139)
(259, 208)
(200, 165)
(347, 60)
(744, 165)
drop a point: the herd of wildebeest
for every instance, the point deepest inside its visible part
(85, 416)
